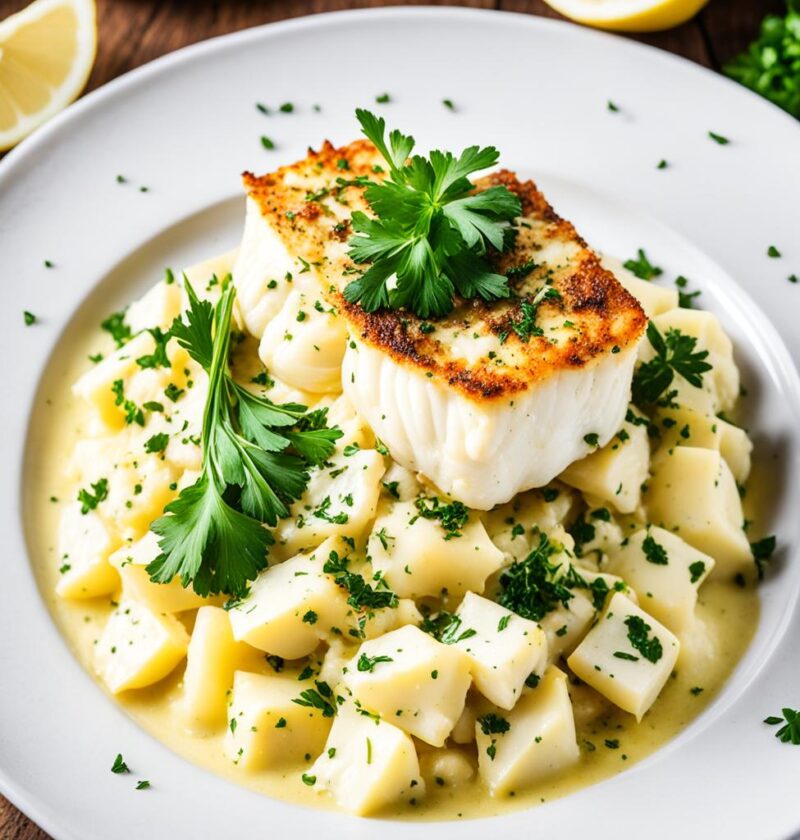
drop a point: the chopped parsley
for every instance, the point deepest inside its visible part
(89, 501)
(638, 628)
(361, 595)
(718, 138)
(119, 765)
(789, 733)
(368, 663)
(29, 318)
(133, 414)
(654, 552)
(267, 142)
(446, 628)
(530, 587)
(431, 233)
(642, 267)
(696, 570)
(158, 358)
(762, 553)
(773, 252)
(452, 516)
(493, 724)
(116, 327)
(157, 443)
(320, 698)
(675, 353)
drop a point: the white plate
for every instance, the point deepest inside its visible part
(185, 126)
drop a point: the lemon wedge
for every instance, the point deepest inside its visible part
(629, 15)
(46, 54)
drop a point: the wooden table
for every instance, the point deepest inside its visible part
(133, 32)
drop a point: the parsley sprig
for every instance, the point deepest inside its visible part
(789, 733)
(431, 233)
(256, 460)
(675, 353)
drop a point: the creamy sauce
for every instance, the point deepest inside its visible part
(611, 741)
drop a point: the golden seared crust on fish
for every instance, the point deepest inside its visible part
(485, 351)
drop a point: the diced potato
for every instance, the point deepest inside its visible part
(666, 573)
(408, 677)
(304, 344)
(630, 676)
(722, 382)
(378, 622)
(339, 500)
(95, 386)
(564, 627)
(292, 605)
(616, 472)
(539, 741)
(138, 647)
(130, 561)
(337, 658)
(266, 727)
(355, 432)
(446, 767)
(684, 426)
(84, 546)
(693, 493)
(504, 649)
(401, 484)
(416, 557)
(654, 299)
(464, 730)
(157, 308)
(210, 662)
(606, 534)
(367, 764)
(514, 527)
(137, 494)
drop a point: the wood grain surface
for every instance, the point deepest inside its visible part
(133, 32)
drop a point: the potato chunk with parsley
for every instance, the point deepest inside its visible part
(693, 494)
(210, 663)
(504, 649)
(84, 546)
(720, 386)
(267, 728)
(156, 308)
(138, 647)
(340, 499)
(654, 299)
(429, 548)
(409, 678)
(530, 743)
(131, 561)
(304, 344)
(291, 606)
(367, 764)
(616, 472)
(627, 656)
(683, 426)
(666, 572)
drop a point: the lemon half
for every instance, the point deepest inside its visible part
(46, 54)
(629, 15)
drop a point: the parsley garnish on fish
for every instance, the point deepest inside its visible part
(256, 460)
(431, 233)
(675, 353)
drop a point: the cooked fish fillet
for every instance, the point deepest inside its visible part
(486, 402)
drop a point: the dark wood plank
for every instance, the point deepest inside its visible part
(730, 25)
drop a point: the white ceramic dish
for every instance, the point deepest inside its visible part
(185, 126)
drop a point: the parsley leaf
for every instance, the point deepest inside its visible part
(642, 267)
(452, 516)
(789, 733)
(493, 724)
(654, 552)
(119, 765)
(675, 353)
(431, 232)
(256, 460)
